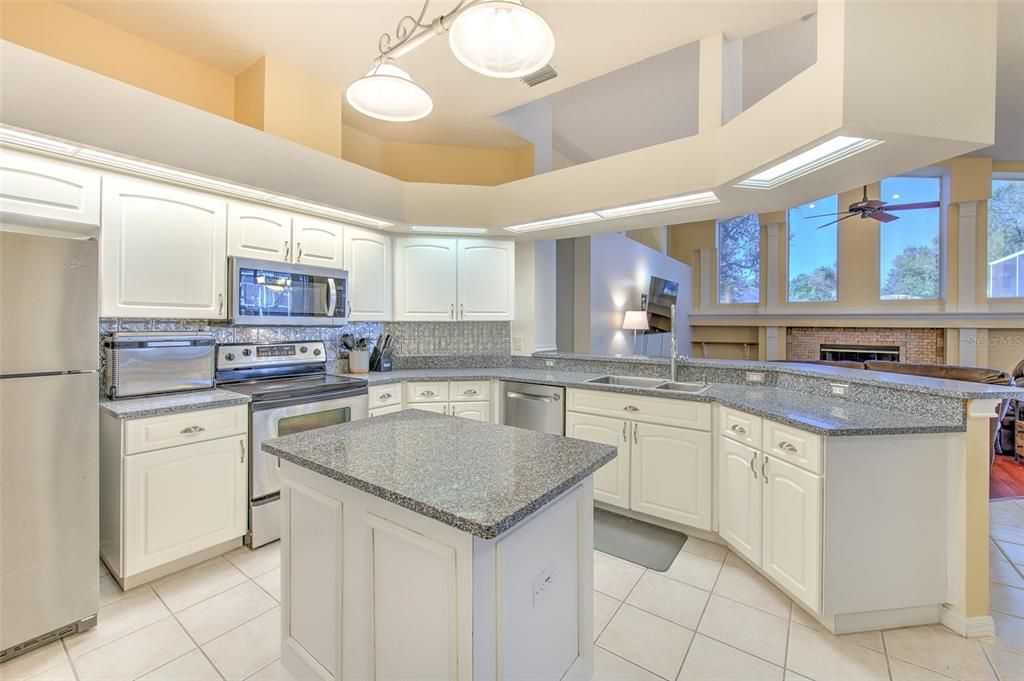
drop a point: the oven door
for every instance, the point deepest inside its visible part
(277, 418)
(264, 292)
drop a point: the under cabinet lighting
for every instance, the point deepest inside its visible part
(30, 141)
(328, 211)
(826, 153)
(671, 203)
(551, 223)
(437, 229)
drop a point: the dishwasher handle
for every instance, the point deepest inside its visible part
(515, 394)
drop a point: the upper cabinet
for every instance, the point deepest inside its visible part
(256, 231)
(445, 279)
(368, 262)
(317, 242)
(162, 251)
(41, 192)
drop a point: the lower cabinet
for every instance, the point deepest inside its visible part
(792, 530)
(739, 498)
(380, 411)
(670, 474)
(474, 411)
(611, 481)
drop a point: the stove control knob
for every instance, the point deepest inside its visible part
(230, 357)
(303, 349)
(317, 352)
(246, 352)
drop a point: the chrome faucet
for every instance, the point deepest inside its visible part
(675, 350)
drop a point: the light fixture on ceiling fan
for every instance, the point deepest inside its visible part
(875, 209)
(497, 38)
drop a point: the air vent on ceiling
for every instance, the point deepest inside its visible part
(541, 75)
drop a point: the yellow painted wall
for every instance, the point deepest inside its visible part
(362, 148)
(455, 165)
(300, 108)
(75, 37)
(250, 95)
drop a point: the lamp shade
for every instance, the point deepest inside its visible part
(501, 39)
(388, 93)
(635, 320)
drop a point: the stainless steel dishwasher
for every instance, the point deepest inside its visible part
(533, 407)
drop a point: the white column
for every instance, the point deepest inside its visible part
(969, 355)
(775, 342)
(707, 264)
(773, 270)
(967, 257)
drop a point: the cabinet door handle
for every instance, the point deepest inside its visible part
(625, 434)
(241, 459)
(787, 447)
(192, 429)
(298, 253)
(630, 407)
(753, 471)
(635, 429)
(451, 312)
(462, 311)
(737, 428)
(287, 249)
(349, 309)
(764, 473)
(220, 303)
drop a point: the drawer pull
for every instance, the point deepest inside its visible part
(384, 396)
(471, 391)
(753, 471)
(427, 393)
(788, 447)
(630, 407)
(191, 430)
(737, 428)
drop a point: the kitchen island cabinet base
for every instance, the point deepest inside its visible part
(374, 590)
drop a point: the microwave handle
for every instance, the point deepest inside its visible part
(332, 296)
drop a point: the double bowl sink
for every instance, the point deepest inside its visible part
(651, 384)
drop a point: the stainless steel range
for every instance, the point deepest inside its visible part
(291, 392)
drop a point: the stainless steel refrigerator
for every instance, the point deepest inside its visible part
(49, 462)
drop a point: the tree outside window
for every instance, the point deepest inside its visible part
(909, 262)
(739, 259)
(813, 251)
(1006, 239)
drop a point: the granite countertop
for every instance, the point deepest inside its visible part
(141, 407)
(478, 477)
(821, 415)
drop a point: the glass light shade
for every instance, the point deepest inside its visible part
(388, 93)
(501, 39)
(635, 320)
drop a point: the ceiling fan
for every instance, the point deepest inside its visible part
(874, 209)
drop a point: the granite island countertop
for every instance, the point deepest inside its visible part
(813, 413)
(478, 477)
(158, 405)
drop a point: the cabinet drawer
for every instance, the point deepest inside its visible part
(385, 395)
(695, 415)
(793, 445)
(741, 427)
(431, 391)
(171, 430)
(380, 411)
(470, 391)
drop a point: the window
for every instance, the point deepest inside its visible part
(739, 259)
(812, 251)
(909, 247)
(1006, 239)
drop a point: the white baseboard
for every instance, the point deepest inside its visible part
(970, 627)
(884, 619)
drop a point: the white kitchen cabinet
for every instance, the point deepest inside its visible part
(611, 481)
(368, 260)
(184, 499)
(486, 269)
(670, 473)
(739, 498)
(256, 231)
(162, 251)
(474, 411)
(381, 411)
(426, 283)
(37, 191)
(317, 242)
(792, 517)
(435, 407)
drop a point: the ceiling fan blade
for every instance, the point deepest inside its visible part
(913, 206)
(826, 215)
(835, 221)
(883, 217)
(874, 203)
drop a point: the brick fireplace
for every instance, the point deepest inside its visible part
(927, 346)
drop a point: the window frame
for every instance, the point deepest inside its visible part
(718, 263)
(789, 262)
(982, 261)
(937, 174)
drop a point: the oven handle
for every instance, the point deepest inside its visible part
(332, 296)
(307, 399)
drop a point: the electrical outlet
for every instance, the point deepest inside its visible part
(517, 343)
(542, 582)
(839, 389)
(549, 363)
(755, 377)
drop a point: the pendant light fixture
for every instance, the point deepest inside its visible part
(497, 38)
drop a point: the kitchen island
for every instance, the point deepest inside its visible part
(416, 545)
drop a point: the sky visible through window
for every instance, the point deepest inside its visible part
(909, 247)
(812, 251)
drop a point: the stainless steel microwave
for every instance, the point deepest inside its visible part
(265, 293)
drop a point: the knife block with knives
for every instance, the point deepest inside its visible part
(380, 360)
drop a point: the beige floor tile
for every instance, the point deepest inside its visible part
(192, 666)
(615, 577)
(668, 598)
(604, 608)
(110, 591)
(256, 562)
(198, 584)
(271, 583)
(245, 650)
(793, 676)
(61, 672)
(694, 570)
(743, 584)
(823, 657)
(136, 610)
(646, 640)
(275, 671)
(1014, 552)
(1006, 599)
(1009, 632)
(705, 548)
(1009, 666)
(219, 614)
(904, 671)
(136, 654)
(800, 616)
(611, 667)
(1002, 572)
(33, 662)
(709, 660)
(940, 650)
(749, 629)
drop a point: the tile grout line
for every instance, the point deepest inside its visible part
(71, 662)
(789, 631)
(696, 628)
(885, 653)
(190, 637)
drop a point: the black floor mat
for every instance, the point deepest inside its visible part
(636, 541)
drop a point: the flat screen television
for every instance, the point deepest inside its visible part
(660, 300)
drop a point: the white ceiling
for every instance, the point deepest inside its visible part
(1009, 144)
(335, 42)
